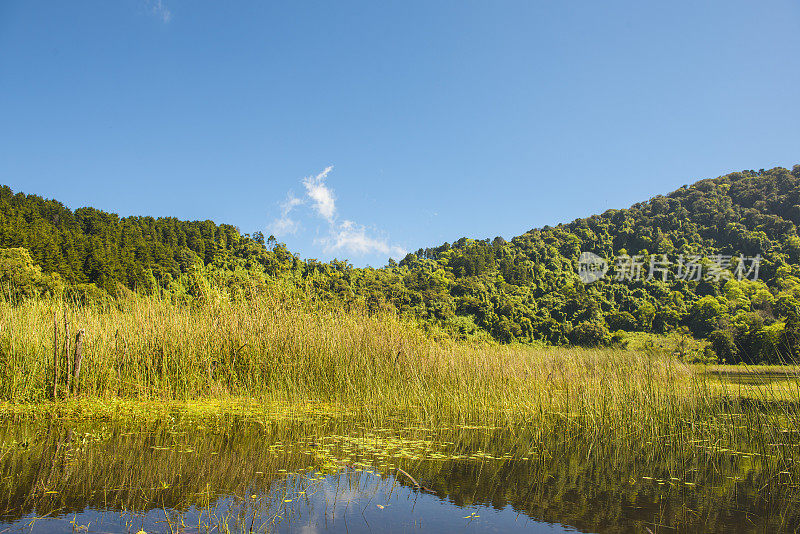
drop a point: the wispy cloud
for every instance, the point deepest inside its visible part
(285, 224)
(319, 192)
(159, 10)
(351, 237)
(346, 236)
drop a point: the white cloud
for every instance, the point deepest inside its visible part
(318, 191)
(285, 225)
(159, 10)
(351, 237)
(346, 236)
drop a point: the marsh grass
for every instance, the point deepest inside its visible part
(292, 356)
(151, 349)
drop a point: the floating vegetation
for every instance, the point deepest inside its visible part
(222, 414)
(207, 468)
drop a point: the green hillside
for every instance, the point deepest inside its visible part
(523, 290)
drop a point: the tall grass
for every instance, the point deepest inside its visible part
(149, 348)
(647, 411)
(285, 350)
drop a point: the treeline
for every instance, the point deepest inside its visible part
(524, 290)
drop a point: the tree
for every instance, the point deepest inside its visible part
(590, 334)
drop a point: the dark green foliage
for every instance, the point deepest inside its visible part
(621, 321)
(522, 290)
(89, 246)
(724, 345)
(590, 334)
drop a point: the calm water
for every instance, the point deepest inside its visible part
(338, 503)
(328, 474)
(755, 378)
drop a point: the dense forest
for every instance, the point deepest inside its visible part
(525, 290)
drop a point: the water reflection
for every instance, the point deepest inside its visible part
(341, 503)
(757, 378)
(335, 475)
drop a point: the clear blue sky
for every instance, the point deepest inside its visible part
(440, 119)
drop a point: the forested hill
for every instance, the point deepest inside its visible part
(525, 290)
(92, 246)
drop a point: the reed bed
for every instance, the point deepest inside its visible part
(285, 361)
(283, 350)
(149, 348)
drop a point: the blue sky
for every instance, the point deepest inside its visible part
(363, 130)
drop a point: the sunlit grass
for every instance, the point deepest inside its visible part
(274, 357)
(280, 351)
